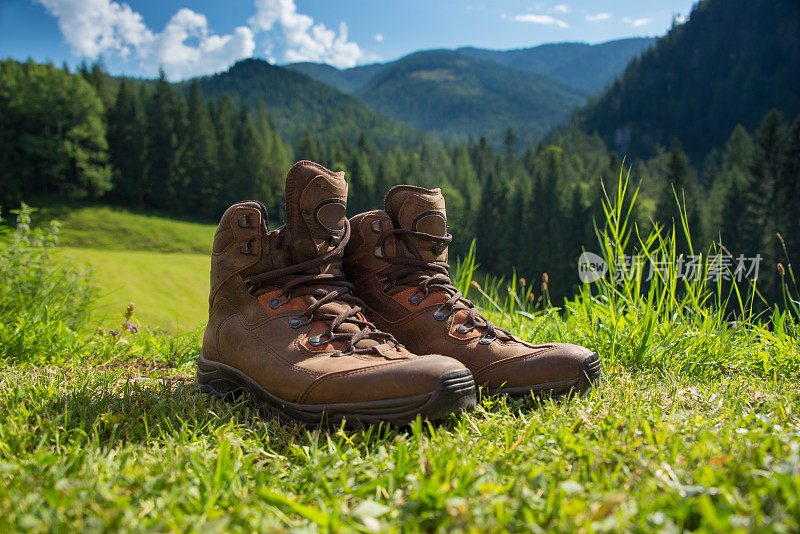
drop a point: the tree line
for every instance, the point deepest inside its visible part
(157, 145)
(135, 143)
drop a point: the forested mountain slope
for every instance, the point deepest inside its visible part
(588, 67)
(581, 65)
(451, 93)
(733, 61)
(298, 105)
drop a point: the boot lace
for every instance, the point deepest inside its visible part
(434, 276)
(296, 281)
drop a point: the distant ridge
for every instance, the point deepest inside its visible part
(448, 92)
(581, 65)
(588, 67)
(298, 104)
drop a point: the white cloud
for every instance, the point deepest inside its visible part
(680, 19)
(636, 23)
(92, 27)
(598, 17)
(211, 53)
(96, 27)
(187, 47)
(540, 19)
(306, 41)
(379, 37)
(561, 8)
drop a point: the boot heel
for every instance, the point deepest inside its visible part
(213, 380)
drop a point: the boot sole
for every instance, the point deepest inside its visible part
(454, 394)
(591, 375)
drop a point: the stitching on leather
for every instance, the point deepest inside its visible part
(495, 365)
(329, 376)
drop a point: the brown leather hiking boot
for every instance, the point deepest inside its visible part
(285, 328)
(397, 260)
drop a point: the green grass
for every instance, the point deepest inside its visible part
(115, 228)
(696, 428)
(169, 289)
(160, 263)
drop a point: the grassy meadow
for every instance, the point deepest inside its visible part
(169, 289)
(697, 426)
(116, 228)
(159, 263)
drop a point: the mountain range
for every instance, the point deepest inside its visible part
(299, 105)
(728, 64)
(580, 65)
(451, 93)
(455, 93)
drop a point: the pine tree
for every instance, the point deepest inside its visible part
(128, 151)
(739, 217)
(678, 196)
(276, 161)
(466, 180)
(510, 142)
(493, 249)
(162, 184)
(362, 184)
(388, 176)
(52, 133)
(101, 81)
(251, 159)
(201, 191)
(766, 168)
(223, 116)
(788, 189)
(308, 148)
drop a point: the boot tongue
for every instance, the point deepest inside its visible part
(316, 200)
(421, 210)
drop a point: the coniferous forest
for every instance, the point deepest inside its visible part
(193, 148)
(155, 145)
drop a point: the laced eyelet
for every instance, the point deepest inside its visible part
(319, 340)
(377, 227)
(277, 302)
(438, 249)
(486, 340)
(246, 247)
(342, 353)
(440, 314)
(415, 299)
(464, 329)
(243, 221)
(295, 322)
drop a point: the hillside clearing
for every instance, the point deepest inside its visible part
(170, 290)
(116, 228)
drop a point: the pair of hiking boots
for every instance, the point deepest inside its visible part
(326, 318)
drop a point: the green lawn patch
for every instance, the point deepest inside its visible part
(115, 228)
(169, 289)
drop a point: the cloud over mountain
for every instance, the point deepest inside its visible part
(187, 46)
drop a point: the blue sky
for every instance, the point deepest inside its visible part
(190, 38)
